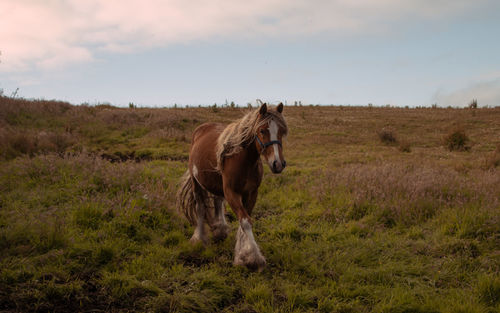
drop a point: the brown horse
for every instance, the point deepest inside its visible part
(225, 164)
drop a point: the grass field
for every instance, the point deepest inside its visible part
(374, 213)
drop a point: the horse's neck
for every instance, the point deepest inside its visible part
(249, 156)
(252, 156)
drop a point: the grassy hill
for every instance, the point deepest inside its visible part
(379, 210)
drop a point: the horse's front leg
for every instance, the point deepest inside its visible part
(246, 251)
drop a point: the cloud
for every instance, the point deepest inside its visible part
(45, 34)
(486, 93)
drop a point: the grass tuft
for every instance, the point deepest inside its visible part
(88, 216)
(488, 289)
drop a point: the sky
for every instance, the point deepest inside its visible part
(201, 52)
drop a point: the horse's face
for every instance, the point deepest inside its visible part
(269, 139)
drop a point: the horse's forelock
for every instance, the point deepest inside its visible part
(278, 118)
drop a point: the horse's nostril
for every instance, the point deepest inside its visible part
(274, 165)
(284, 163)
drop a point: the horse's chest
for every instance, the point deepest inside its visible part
(252, 180)
(251, 184)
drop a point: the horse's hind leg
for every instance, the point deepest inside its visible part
(219, 226)
(200, 196)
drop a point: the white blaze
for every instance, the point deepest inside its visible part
(273, 131)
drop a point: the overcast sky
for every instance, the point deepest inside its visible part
(191, 52)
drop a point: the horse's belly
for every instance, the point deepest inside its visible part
(212, 184)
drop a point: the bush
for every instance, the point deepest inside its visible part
(387, 135)
(457, 140)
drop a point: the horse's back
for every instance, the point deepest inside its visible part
(208, 130)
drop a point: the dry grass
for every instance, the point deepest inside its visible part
(404, 146)
(409, 194)
(494, 159)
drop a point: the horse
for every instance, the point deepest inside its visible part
(225, 165)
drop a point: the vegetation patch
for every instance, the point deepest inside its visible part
(457, 140)
(387, 135)
(349, 226)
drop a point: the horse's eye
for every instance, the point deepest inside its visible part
(262, 131)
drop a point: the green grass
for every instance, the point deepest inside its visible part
(352, 225)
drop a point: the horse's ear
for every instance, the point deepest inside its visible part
(280, 107)
(263, 109)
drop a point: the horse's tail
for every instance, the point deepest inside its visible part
(186, 203)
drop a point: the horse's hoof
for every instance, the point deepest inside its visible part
(196, 240)
(220, 233)
(256, 263)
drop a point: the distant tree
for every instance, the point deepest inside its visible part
(473, 104)
(14, 94)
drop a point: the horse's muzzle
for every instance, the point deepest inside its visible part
(278, 167)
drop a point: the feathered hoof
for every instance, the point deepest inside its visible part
(253, 261)
(219, 232)
(195, 239)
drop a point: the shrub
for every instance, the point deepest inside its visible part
(457, 140)
(387, 135)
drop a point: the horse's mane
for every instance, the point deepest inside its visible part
(241, 133)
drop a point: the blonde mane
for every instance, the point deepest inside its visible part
(239, 134)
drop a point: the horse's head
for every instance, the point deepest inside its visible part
(269, 136)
